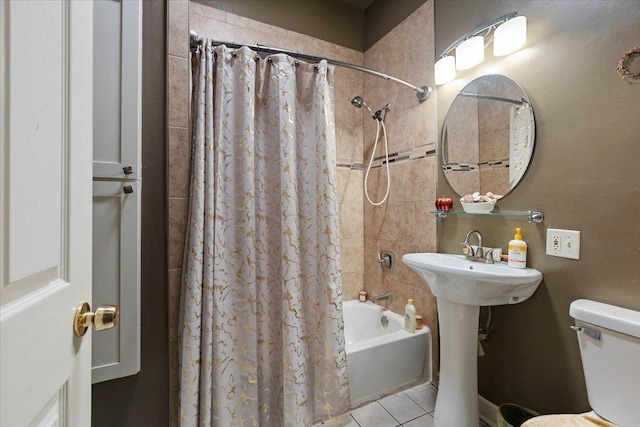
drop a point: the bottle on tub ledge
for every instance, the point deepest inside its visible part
(517, 251)
(410, 316)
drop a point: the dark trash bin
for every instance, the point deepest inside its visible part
(512, 415)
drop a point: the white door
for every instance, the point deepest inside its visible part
(45, 215)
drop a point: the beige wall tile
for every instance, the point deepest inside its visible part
(178, 28)
(412, 180)
(206, 12)
(179, 162)
(369, 134)
(426, 221)
(349, 186)
(371, 264)
(178, 211)
(400, 132)
(222, 31)
(404, 223)
(351, 220)
(425, 122)
(373, 218)
(238, 29)
(414, 65)
(178, 92)
(352, 283)
(351, 253)
(398, 224)
(348, 83)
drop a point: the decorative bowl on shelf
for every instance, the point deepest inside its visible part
(481, 207)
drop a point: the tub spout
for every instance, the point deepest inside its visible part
(384, 297)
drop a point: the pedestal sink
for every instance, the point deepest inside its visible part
(461, 287)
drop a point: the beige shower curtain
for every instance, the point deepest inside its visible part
(262, 340)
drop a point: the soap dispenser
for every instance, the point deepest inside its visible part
(517, 251)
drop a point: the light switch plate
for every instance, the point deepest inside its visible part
(563, 243)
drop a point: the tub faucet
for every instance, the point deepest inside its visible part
(478, 254)
(386, 296)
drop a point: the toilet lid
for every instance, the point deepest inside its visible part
(567, 421)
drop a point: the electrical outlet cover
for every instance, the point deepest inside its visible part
(563, 243)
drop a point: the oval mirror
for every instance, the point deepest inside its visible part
(488, 136)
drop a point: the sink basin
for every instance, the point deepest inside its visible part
(461, 286)
(455, 279)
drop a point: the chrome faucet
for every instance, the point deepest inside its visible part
(386, 296)
(478, 254)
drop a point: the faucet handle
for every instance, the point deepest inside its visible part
(489, 257)
(470, 251)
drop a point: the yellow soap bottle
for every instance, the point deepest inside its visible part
(410, 317)
(517, 251)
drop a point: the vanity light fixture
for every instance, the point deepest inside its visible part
(445, 70)
(510, 36)
(507, 32)
(470, 53)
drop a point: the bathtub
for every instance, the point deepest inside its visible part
(382, 360)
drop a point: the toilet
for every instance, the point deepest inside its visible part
(609, 339)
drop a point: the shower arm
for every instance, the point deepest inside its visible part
(422, 93)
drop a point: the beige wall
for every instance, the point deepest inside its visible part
(403, 224)
(584, 176)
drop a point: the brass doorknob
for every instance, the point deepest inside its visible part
(105, 317)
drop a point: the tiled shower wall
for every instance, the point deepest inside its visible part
(404, 223)
(178, 170)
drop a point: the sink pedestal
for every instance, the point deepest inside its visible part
(457, 399)
(461, 286)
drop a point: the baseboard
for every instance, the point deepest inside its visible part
(488, 411)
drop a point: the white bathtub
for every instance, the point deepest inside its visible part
(382, 360)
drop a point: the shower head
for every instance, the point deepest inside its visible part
(357, 101)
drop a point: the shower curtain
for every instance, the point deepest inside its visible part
(262, 340)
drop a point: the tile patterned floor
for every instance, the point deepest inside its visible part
(410, 408)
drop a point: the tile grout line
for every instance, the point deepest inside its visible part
(419, 416)
(396, 420)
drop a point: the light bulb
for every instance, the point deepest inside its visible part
(445, 70)
(470, 53)
(510, 36)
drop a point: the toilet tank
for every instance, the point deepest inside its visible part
(609, 339)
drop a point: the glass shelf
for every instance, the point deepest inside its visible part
(532, 216)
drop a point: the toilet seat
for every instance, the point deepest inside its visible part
(568, 420)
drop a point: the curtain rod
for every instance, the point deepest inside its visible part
(493, 98)
(423, 93)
